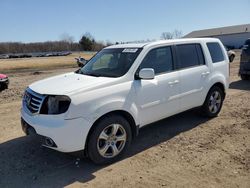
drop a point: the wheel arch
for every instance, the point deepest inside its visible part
(124, 114)
(218, 84)
(221, 86)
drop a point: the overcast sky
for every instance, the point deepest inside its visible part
(114, 20)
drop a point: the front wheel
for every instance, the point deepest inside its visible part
(213, 102)
(109, 140)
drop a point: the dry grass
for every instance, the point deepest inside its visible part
(40, 63)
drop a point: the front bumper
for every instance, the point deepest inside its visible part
(68, 135)
(5, 81)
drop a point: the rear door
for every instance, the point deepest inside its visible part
(193, 73)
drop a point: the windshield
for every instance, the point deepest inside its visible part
(111, 62)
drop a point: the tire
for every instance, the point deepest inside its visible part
(3, 86)
(103, 146)
(213, 103)
(244, 77)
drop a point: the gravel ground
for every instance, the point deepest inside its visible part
(185, 150)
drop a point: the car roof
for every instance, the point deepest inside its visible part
(155, 43)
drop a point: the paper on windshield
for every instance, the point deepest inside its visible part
(130, 50)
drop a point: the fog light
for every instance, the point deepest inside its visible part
(49, 142)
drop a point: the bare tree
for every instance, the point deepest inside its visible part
(171, 35)
(67, 38)
(177, 34)
(166, 35)
(108, 43)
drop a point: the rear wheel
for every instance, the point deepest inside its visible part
(213, 102)
(109, 140)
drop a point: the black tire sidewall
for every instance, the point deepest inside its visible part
(92, 150)
(3, 86)
(205, 107)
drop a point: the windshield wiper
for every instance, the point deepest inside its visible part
(78, 71)
(92, 74)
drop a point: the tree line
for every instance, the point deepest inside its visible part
(50, 46)
(86, 43)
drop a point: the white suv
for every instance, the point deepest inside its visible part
(100, 107)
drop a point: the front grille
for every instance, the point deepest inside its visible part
(33, 101)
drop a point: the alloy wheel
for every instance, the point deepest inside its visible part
(111, 141)
(215, 102)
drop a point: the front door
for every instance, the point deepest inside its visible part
(157, 98)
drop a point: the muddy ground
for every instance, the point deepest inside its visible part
(185, 150)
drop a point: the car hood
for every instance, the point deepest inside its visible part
(69, 83)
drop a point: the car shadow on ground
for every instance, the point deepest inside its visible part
(240, 84)
(24, 163)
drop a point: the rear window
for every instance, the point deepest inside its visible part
(215, 52)
(190, 55)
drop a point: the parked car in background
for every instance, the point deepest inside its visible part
(4, 56)
(101, 107)
(4, 82)
(230, 54)
(80, 61)
(245, 61)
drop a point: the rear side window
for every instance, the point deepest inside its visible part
(190, 55)
(215, 52)
(159, 59)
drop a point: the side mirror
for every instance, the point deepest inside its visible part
(84, 62)
(147, 74)
(81, 61)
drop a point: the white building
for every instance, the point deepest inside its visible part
(234, 36)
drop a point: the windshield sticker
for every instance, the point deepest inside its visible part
(130, 50)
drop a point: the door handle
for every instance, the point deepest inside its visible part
(174, 82)
(205, 73)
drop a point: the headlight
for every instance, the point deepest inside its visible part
(55, 104)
